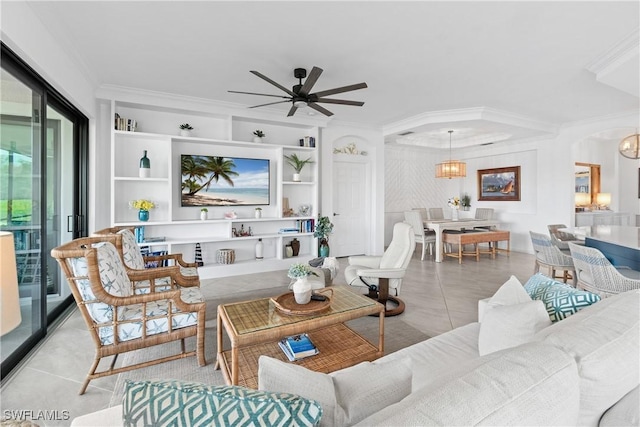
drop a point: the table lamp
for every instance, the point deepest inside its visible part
(10, 316)
(583, 199)
(603, 200)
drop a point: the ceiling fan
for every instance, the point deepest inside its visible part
(300, 94)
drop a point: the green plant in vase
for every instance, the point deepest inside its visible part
(297, 164)
(324, 227)
(465, 201)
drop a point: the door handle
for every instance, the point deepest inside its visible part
(335, 214)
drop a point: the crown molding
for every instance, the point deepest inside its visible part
(616, 56)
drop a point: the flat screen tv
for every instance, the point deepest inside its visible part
(224, 181)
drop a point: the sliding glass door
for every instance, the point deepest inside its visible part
(42, 195)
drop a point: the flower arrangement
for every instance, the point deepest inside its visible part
(259, 133)
(186, 126)
(465, 201)
(142, 204)
(299, 270)
(204, 210)
(454, 203)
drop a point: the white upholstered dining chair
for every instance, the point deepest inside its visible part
(424, 236)
(436, 213)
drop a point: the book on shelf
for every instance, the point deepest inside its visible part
(288, 230)
(298, 347)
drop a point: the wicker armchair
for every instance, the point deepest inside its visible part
(125, 243)
(597, 275)
(122, 317)
(548, 255)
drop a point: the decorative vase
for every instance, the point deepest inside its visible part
(258, 213)
(302, 290)
(296, 177)
(257, 139)
(454, 214)
(259, 249)
(185, 132)
(324, 248)
(143, 215)
(145, 166)
(203, 215)
(295, 246)
(288, 251)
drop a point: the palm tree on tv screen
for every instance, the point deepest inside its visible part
(212, 166)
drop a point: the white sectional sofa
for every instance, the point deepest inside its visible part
(514, 368)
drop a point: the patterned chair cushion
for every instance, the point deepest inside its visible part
(115, 281)
(130, 250)
(178, 404)
(560, 299)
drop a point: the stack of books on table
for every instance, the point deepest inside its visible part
(297, 347)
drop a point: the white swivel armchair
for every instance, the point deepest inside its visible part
(382, 273)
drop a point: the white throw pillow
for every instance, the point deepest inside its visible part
(347, 396)
(511, 292)
(506, 326)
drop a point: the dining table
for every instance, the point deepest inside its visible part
(448, 224)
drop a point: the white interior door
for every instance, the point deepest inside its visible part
(351, 207)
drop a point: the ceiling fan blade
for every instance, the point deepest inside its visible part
(311, 80)
(270, 103)
(261, 94)
(292, 111)
(340, 90)
(320, 109)
(339, 101)
(279, 86)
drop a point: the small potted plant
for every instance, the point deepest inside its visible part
(465, 201)
(258, 212)
(258, 135)
(297, 164)
(324, 227)
(185, 129)
(204, 212)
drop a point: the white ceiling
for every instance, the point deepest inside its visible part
(491, 71)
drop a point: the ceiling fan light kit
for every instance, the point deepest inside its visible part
(300, 95)
(451, 168)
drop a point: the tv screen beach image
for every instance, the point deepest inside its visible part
(224, 181)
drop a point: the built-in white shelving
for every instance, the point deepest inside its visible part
(218, 135)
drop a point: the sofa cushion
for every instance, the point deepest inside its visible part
(533, 384)
(604, 340)
(437, 356)
(508, 326)
(179, 403)
(511, 292)
(348, 395)
(560, 299)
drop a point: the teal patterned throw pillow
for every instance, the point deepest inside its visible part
(560, 299)
(176, 403)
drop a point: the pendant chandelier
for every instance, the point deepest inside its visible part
(630, 146)
(451, 168)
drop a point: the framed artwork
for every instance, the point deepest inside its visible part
(501, 184)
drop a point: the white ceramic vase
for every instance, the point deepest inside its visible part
(296, 177)
(302, 290)
(203, 215)
(454, 214)
(258, 213)
(257, 139)
(185, 132)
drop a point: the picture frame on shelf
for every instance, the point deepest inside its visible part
(499, 184)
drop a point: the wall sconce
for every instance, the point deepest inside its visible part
(10, 316)
(603, 200)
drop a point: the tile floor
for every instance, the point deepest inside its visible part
(438, 297)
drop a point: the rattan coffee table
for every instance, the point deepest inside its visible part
(255, 327)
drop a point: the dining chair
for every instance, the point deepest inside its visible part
(597, 275)
(562, 238)
(436, 213)
(423, 236)
(548, 255)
